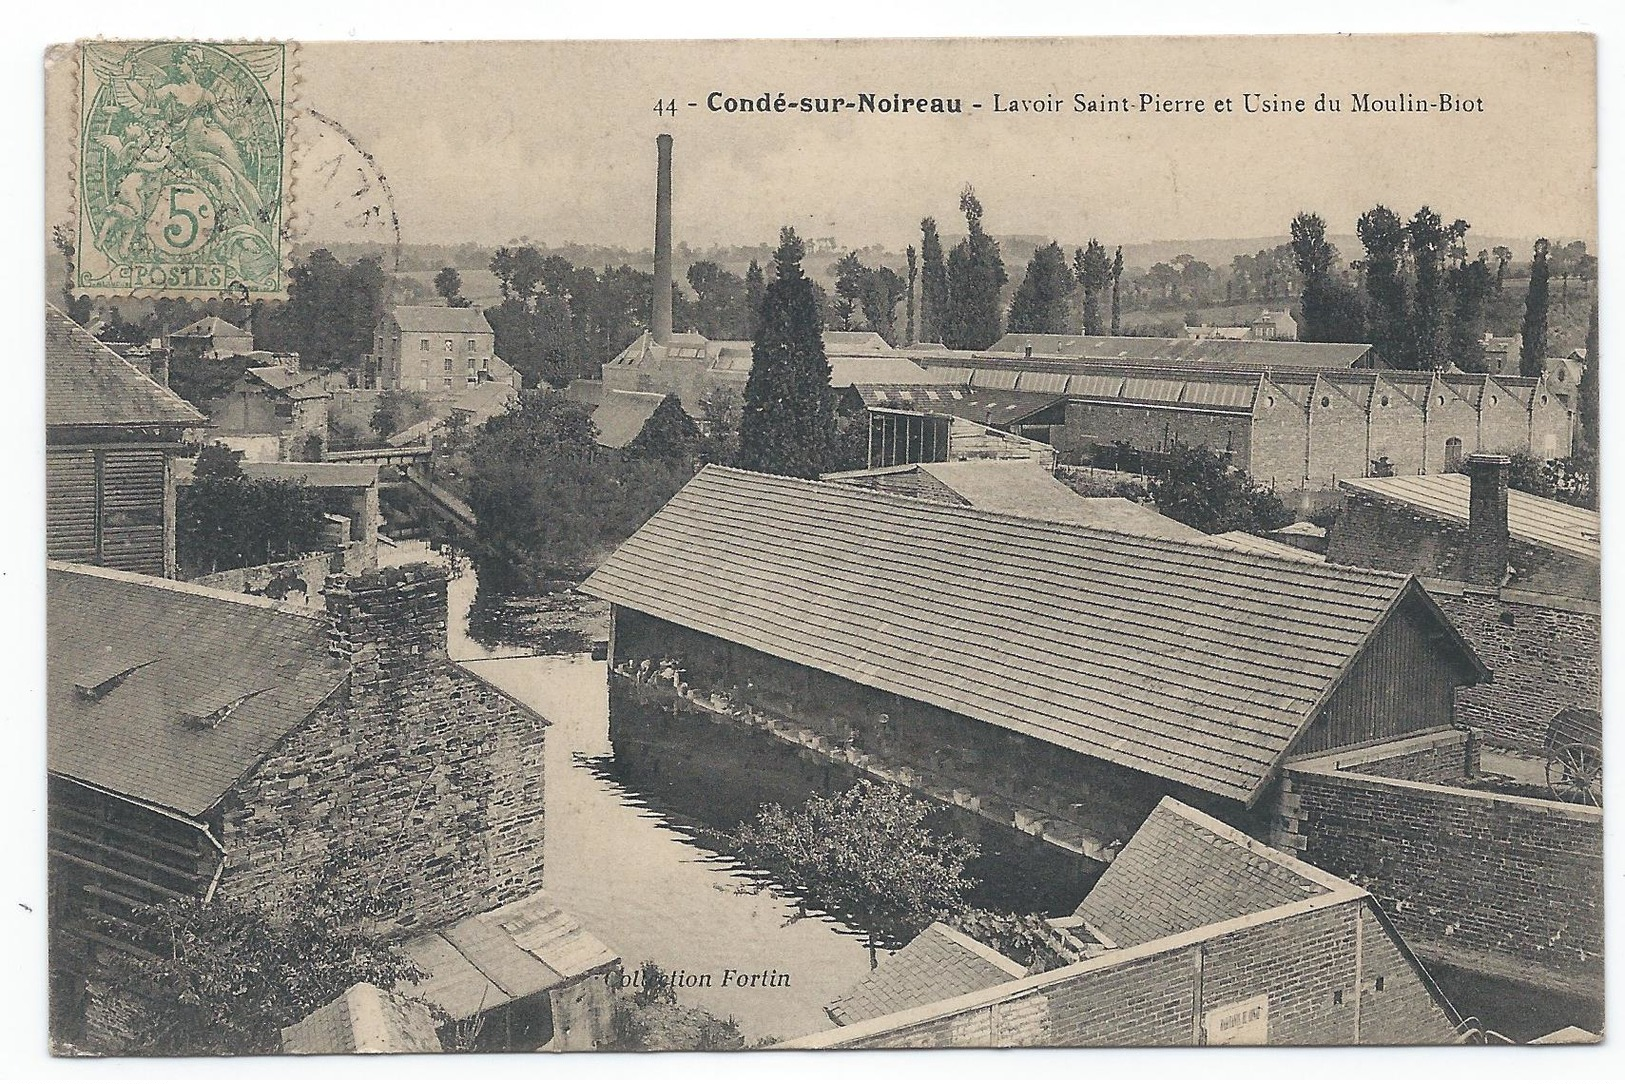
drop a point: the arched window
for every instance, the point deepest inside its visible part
(1452, 453)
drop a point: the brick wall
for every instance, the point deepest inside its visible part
(1279, 439)
(431, 777)
(1320, 988)
(1447, 757)
(1396, 427)
(1503, 421)
(1338, 433)
(1502, 885)
(1546, 655)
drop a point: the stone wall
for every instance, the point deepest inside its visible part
(424, 779)
(1545, 652)
(1328, 974)
(1496, 884)
(299, 581)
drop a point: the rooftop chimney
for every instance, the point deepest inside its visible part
(660, 325)
(1487, 520)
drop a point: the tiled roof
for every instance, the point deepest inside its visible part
(1184, 870)
(1020, 487)
(938, 964)
(365, 1020)
(621, 415)
(1535, 520)
(440, 320)
(1182, 659)
(210, 327)
(1253, 543)
(293, 385)
(189, 651)
(1253, 354)
(487, 960)
(87, 384)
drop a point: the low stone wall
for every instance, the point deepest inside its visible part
(298, 581)
(1494, 884)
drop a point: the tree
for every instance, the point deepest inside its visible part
(1200, 489)
(331, 313)
(1040, 302)
(719, 412)
(1470, 286)
(1588, 405)
(720, 306)
(396, 410)
(787, 425)
(1429, 240)
(1093, 270)
(850, 276)
(882, 290)
(933, 283)
(1383, 235)
(1316, 259)
(913, 278)
(1532, 361)
(975, 276)
(755, 291)
(865, 853)
(669, 435)
(1117, 291)
(651, 1018)
(225, 519)
(225, 977)
(1503, 259)
(449, 285)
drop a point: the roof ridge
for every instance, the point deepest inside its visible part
(218, 594)
(1263, 850)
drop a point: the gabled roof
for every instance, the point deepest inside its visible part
(1535, 520)
(845, 371)
(293, 385)
(210, 327)
(1252, 543)
(487, 960)
(1183, 870)
(1020, 487)
(365, 1020)
(1254, 354)
(1181, 659)
(940, 963)
(259, 667)
(621, 415)
(88, 384)
(440, 320)
(986, 405)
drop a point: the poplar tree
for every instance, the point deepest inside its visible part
(1040, 302)
(1535, 305)
(1383, 235)
(933, 283)
(1117, 292)
(975, 276)
(755, 290)
(788, 422)
(1588, 387)
(913, 278)
(1094, 274)
(1429, 240)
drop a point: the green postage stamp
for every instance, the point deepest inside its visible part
(182, 166)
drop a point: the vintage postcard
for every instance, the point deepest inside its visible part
(819, 545)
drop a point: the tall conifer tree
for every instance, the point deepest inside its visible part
(1040, 302)
(788, 422)
(1535, 305)
(975, 276)
(933, 283)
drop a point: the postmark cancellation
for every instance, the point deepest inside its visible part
(182, 152)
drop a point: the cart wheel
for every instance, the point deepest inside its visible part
(1574, 773)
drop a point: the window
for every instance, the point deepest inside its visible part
(1325, 400)
(448, 346)
(448, 381)
(485, 363)
(473, 379)
(1384, 400)
(472, 364)
(1452, 453)
(471, 346)
(448, 365)
(423, 344)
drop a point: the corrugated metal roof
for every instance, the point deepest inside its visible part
(1531, 519)
(985, 405)
(1095, 385)
(938, 964)
(207, 646)
(994, 378)
(88, 384)
(1182, 659)
(1183, 870)
(1236, 394)
(487, 960)
(440, 320)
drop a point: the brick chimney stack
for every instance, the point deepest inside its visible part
(388, 625)
(1487, 520)
(660, 325)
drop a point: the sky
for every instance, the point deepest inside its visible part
(492, 141)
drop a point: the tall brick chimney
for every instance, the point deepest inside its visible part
(1487, 520)
(388, 625)
(660, 325)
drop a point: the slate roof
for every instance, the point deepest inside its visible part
(938, 964)
(488, 960)
(1184, 870)
(1182, 659)
(1250, 354)
(193, 650)
(1535, 520)
(440, 320)
(293, 385)
(1253, 543)
(88, 384)
(365, 1020)
(210, 327)
(621, 415)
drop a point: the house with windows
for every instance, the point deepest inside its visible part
(211, 338)
(272, 412)
(436, 350)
